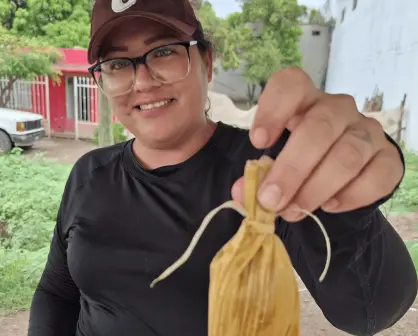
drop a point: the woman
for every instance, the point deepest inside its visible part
(130, 210)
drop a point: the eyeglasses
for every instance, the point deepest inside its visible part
(167, 64)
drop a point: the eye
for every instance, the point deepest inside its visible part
(163, 52)
(115, 65)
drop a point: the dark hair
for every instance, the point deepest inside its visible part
(204, 43)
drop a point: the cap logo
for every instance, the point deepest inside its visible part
(119, 6)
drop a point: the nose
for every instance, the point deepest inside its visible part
(144, 80)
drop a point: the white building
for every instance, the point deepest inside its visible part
(375, 44)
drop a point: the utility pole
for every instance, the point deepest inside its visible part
(105, 122)
(105, 127)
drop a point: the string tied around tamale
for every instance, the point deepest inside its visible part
(240, 209)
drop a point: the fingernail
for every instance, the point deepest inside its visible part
(260, 137)
(330, 205)
(270, 197)
(265, 159)
(292, 213)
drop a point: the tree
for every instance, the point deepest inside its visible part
(264, 37)
(24, 58)
(63, 23)
(105, 128)
(279, 20)
(262, 56)
(275, 41)
(316, 17)
(226, 35)
(71, 32)
(8, 10)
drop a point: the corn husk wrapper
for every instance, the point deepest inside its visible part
(253, 289)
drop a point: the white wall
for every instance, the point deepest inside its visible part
(314, 50)
(231, 83)
(377, 45)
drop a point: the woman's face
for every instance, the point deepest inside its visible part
(185, 100)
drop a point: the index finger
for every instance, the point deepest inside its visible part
(288, 92)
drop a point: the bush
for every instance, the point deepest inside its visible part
(413, 250)
(406, 197)
(118, 134)
(30, 194)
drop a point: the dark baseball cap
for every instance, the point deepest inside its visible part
(175, 14)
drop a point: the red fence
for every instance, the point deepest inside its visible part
(29, 96)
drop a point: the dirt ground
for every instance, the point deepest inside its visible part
(62, 150)
(313, 322)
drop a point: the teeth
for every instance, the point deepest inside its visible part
(154, 105)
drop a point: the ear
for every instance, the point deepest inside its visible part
(208, 61)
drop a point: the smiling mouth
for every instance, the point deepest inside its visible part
(154, 105)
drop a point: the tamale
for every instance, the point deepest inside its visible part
(253, 289)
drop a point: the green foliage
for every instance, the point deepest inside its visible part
(24, 58)
(29, 198)
(316, 17)
(226, 35)
(406, 197)
(8, 11)
(63, 23)
(71, 32)
(212, 25)
(277, 34)
(262, 56)
(118, 134)
(413, 250)
(264, 37)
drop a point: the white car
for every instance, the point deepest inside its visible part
(19, 129)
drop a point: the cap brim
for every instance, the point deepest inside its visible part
(97, 39)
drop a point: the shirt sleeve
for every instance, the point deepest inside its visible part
(371, 282)
(56, 303)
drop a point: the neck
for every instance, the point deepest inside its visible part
(191, 143)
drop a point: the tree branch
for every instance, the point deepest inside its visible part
(7, 91)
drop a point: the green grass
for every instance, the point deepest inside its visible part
(29, 198)
(406, 197)
(413, 250)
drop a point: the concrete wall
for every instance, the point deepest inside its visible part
(231, 83)
(377, 46)
(314, 48)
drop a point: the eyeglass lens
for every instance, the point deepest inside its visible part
(167, 64)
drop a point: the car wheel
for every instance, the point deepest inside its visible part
(5, 143)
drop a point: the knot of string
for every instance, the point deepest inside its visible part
(261, 228)
(240, 209)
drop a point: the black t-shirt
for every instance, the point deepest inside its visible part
(119, 226)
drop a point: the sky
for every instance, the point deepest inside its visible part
(225, 7)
